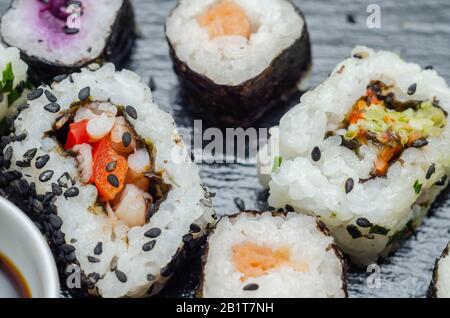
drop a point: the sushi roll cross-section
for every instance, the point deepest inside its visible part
(236, 59)
(91, 160)
(263, 255)
(440, 283)
(57, 37)
(367, 151)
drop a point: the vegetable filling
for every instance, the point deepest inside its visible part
(112, 157)
(379, 119)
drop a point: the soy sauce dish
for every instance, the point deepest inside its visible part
(27, 268)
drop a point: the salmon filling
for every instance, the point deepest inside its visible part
(253, 260)
(377, 118)
(226, 18)
(112, 157)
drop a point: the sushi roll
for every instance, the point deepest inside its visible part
(13, 80)
(235, 59)
(259, 255)
(367, 151)
(105, 176)
(57, 37)
(440, 283)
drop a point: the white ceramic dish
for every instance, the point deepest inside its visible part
(24, 245)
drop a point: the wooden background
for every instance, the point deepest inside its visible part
(418, 30)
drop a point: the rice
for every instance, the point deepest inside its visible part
(388, 207)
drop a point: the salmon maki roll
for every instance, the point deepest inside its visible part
(259, 255)
(236, 59)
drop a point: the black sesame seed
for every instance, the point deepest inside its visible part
(98, 249)
(35, 94)
(51, 98)
(289, 208)
(419, 143)
(113, 180)
(166, 271)
(429, 67)
(363, 222)
(70, 257)
(149, 246)
(412, 89)
(240, 204)
(64, 179)
(23, 164)
(60, 78)
(351, 18)
(153, 232)
(126, 139)
(121, 276)
(52, 107)
(353, 231)
(67, 248)
(71, 192)
(71, 31)
(442, 181)
(84, 94)
(187, 238)
(29, 154)
(131, 111)
(93, 259)
(195, 228)
(431, 170)
(41, 161)
(56, 189)
(349, 183)
(71, 78)
(55, 221)
(20, 137)
(150, 277)
(357, 56)
(22, 107)
(316, 154)
(7, 155)
(46, 175)
(111, 166)
(250, 287)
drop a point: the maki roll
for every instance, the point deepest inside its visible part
(13, 80)
(367, 151)
(258, 255)
(103, 173)
(440, 283)
(236, 59)
(57, 37)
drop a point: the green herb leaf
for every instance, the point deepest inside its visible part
(277, 163)
(6, 84)
(417, 186)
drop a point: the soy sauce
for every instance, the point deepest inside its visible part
(12, 282)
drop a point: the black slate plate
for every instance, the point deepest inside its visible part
(419, 31)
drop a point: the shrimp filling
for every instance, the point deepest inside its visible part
(390, 125)
(254, 260)
(112, 157)
(226, 18)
